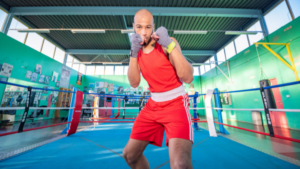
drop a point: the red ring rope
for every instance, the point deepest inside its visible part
(14, 132)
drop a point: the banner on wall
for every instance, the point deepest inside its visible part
(28, 74)
(225, 98)
(97, 84)
(41, 78)
(6, 69)
(105, 84)
(120, 90)
(91, 86)
(33, 77)
(47, 79)
(38, 69)
(54, 76)
(65, 77)
(79, 79)
(111, 87)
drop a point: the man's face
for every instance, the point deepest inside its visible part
(144, 26)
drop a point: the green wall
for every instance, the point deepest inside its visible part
(25, 58)
(245, 65)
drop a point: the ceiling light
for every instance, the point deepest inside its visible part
(88, 30)
(127, 31)
(240, 32)
(34, 30)
(190, 32)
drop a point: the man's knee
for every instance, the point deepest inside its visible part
(130, 157)
(182, 164)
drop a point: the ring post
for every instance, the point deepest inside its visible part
(71, 111)
(112, 105)
(26, 109)
(268, 102)
(195, 111)
(219, 105)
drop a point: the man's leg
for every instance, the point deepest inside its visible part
(133, 154)
(180, 153)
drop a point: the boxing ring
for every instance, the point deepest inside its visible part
(101, 142)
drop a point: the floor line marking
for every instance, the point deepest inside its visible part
(102, 147)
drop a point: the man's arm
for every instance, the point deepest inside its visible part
(133, 74)
(184, 69)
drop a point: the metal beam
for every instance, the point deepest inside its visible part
(158, 11)
(108, 58)
(263, 25)
(95, 58)
(126, 52)
(7, 23)
(189, 60)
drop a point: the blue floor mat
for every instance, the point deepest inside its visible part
(102, 147)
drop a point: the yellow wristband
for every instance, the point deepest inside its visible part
(171, 46)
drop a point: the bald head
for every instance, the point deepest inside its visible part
(143, 15)
(144, 25)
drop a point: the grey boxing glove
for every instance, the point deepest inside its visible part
(135, 44)
(164, 39)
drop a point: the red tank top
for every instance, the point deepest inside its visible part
(158, 71)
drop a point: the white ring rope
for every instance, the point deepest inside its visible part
(114, 108)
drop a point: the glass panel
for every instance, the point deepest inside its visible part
(34, 41)
(221, 56)
(241, 43)
(14, 33)
(3, 16)
(109, 70)
(125, 70)
(75, 64)
(278, 17)
(99, 70)
(90, 70)
(202, 70)
(212, 62)
(295, 4)
(119, 70)
(82, 68)
(258, 36)
(59, 55)
(196, 71)
(48, 48)
(230, 51)
(69, 61)
(207, 67)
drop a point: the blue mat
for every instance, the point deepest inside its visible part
(102, 147)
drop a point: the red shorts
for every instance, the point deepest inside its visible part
(156, 117)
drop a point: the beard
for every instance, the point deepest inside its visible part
(147, 43)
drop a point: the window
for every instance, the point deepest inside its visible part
(34, 41)
(69, 61)
(119, 70)
(99, 70)
(3, 16)
(258, 36)
(241, 43)
(59, 55)
(90, 70)
(125, 70)
(278, 17)
(221, 56)
(207, 67)
(14, 33)
(295, 5)
(202, 70)
(196, 71)
(230, 51)
(212, 62)
(48, 48)
(82, 68)
(76, 65)
(109, 70)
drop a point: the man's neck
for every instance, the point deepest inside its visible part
(148, 48)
